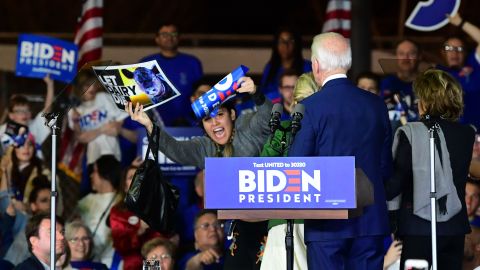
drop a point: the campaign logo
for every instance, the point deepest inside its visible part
(38, 56)
(273, 182)
(208, 103)
(431, 15)
(280, 183)
(93, 120)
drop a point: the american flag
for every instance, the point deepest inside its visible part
(338, 17)
(89, 31)
(88, 37)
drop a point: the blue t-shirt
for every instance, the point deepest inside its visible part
(469, 78)
(270, 88)
(391, 85)
(182, 70)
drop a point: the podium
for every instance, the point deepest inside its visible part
(286, 187)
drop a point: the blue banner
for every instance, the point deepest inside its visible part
(431, 15)
(38, 56)
(170, 168)
(280, 183)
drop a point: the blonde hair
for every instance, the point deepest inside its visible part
(304, 87)
(440, 94)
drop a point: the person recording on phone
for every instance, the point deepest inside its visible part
(440, 104)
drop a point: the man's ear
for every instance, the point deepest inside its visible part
(315, 66)
(233, 114)
(33, 240)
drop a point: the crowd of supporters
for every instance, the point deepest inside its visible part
(97, 161)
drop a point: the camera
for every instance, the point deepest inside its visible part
(151, 265)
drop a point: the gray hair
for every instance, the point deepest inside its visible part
(332, 51)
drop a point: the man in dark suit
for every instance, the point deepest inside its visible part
(343, 120)
(38, 237)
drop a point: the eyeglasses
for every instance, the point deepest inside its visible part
(450, 48)
(157, 257)
(77, 239)
(206, 226)
(168, 34)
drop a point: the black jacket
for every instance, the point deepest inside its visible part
(32, 263)
(459, 140)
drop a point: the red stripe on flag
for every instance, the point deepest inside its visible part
(91, 13)
(94, 33)
(95, 12)
(338, 14)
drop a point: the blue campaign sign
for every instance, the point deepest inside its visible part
(431, 15)
(170, 168)
(280, 183)
(38, 56)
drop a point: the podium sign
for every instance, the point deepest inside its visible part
(280, 183)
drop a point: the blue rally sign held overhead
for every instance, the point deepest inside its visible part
(38, 56)
(431, 15)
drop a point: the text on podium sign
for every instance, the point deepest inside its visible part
(280, 183)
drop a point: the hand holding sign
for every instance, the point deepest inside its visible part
(137, 114)
(455, 19)
(223, 91)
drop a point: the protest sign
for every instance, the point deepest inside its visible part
(143, 83)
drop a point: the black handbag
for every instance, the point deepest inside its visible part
(150, 196)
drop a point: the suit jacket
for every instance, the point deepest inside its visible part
(344, 120)
(32, 263)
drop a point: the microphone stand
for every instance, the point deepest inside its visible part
(433, 195)
(289, 247)
(294, 127)
(51, 121)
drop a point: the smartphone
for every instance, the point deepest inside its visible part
(416, 264)
(151, 265)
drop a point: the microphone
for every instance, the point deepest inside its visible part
(274, 122)
(297, 116)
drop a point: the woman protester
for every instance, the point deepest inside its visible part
(226, 136)
(440, 105)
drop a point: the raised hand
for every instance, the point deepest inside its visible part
(137, 114)
(246, 85)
